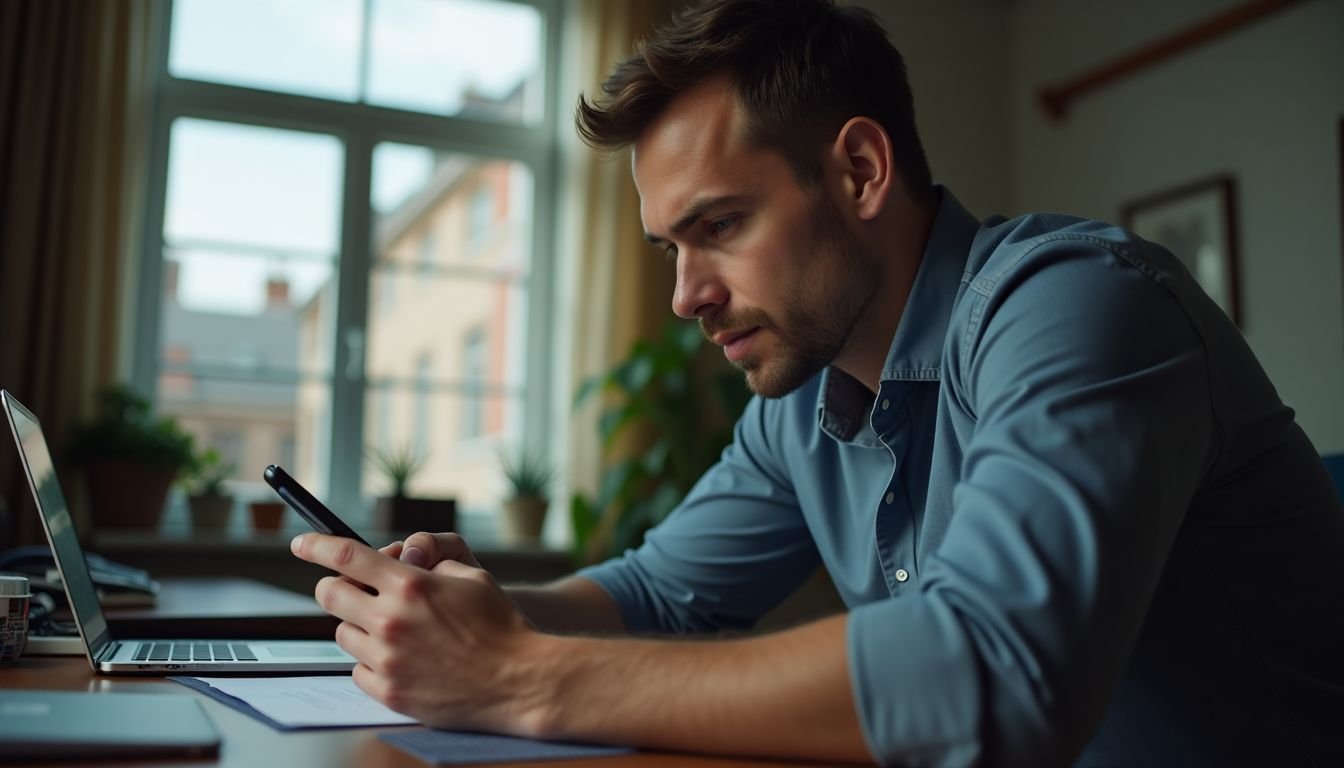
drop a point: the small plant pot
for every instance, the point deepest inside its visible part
(524, 517)
(127, 494)
(210, 513)
(266, 515)
(405, 515)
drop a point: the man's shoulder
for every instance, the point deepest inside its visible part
(1003, 245)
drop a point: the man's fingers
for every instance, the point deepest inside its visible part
(346, 601)
(347, 557)
(426, 550)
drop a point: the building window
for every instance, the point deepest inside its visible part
(482, 218)
(473, 377)
(283, 143)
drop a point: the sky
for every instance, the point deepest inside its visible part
(252, 202)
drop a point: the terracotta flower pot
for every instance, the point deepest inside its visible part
(266, 515)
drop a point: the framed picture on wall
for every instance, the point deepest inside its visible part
(1198, 223)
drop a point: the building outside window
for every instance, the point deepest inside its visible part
(311, 157)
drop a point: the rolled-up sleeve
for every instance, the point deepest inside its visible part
(733, 549)
(1087, 390)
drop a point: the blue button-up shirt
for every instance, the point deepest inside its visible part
(1075, 522)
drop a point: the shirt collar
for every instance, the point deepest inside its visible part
(917, 347)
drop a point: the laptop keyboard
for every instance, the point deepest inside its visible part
(194, 652)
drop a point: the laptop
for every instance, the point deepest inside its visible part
(68, 724)
(145, 656)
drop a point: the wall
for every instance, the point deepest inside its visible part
(1262, 104)
(955, 54)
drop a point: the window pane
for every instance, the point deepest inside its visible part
(248, 295)
(263, 187)
(447, 316)
(467, 58)
(309, 47)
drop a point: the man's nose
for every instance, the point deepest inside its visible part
(699, 291)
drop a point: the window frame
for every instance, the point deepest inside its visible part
(360, 127)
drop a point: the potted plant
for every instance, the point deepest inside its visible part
(529, 479)
(669, 410)
(207, 499)
(399, 512)
(131, 457)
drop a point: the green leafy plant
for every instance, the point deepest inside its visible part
(528, 475)
(206, 474)
(397, 465)
(127, 428)
(681, 402)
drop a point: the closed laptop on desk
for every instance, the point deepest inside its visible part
(144, 655)
(55, 724)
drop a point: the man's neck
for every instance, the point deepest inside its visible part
(901, 240)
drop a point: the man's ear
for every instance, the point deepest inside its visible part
(863, 151)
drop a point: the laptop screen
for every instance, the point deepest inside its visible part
(56, 517)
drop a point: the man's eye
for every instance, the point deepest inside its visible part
(670, 252)
(719, 226)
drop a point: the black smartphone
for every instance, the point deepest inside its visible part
(309, 508)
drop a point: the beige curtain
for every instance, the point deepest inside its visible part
(618, 289)
(75, 90)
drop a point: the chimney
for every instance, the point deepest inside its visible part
(277, 293)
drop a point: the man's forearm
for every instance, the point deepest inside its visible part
(782, 695)
(572, 605)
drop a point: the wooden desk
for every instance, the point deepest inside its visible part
(248, 743)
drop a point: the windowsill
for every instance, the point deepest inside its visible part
(266, 557)
(187, 541)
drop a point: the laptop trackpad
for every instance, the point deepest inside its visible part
(289, 651)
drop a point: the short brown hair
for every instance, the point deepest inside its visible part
(800, 68)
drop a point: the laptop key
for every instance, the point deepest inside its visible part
(142, 653)
(243, 652)
(200, 652)
(181, 651)
(221, 652)
(160, 652)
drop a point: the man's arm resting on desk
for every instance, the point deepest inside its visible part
(451, 649)
(782, 695)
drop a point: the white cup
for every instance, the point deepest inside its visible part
(14, 601)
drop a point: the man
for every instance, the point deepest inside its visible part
(1069, 516)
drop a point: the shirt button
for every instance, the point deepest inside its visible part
(885, 404)
(890, 497)
(902, 576)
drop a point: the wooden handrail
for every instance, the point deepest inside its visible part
(1057, 99)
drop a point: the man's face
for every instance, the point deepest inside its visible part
(771, 271)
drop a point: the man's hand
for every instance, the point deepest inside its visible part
(445, 646)
(427, 550)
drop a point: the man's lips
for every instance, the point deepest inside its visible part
(735, 343)
(724, 338)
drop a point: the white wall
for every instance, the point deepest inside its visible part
(956, 54)
(1262, 104)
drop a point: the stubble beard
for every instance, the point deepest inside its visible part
(819, 317)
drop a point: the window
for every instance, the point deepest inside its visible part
(474, 375)
(314, 156)
(482, 217)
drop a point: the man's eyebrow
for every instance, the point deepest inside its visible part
(693, 214)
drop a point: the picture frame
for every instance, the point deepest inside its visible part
(1198, 223)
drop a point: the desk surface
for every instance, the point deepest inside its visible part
(249, 743)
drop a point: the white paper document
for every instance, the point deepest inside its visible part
(307, 702)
